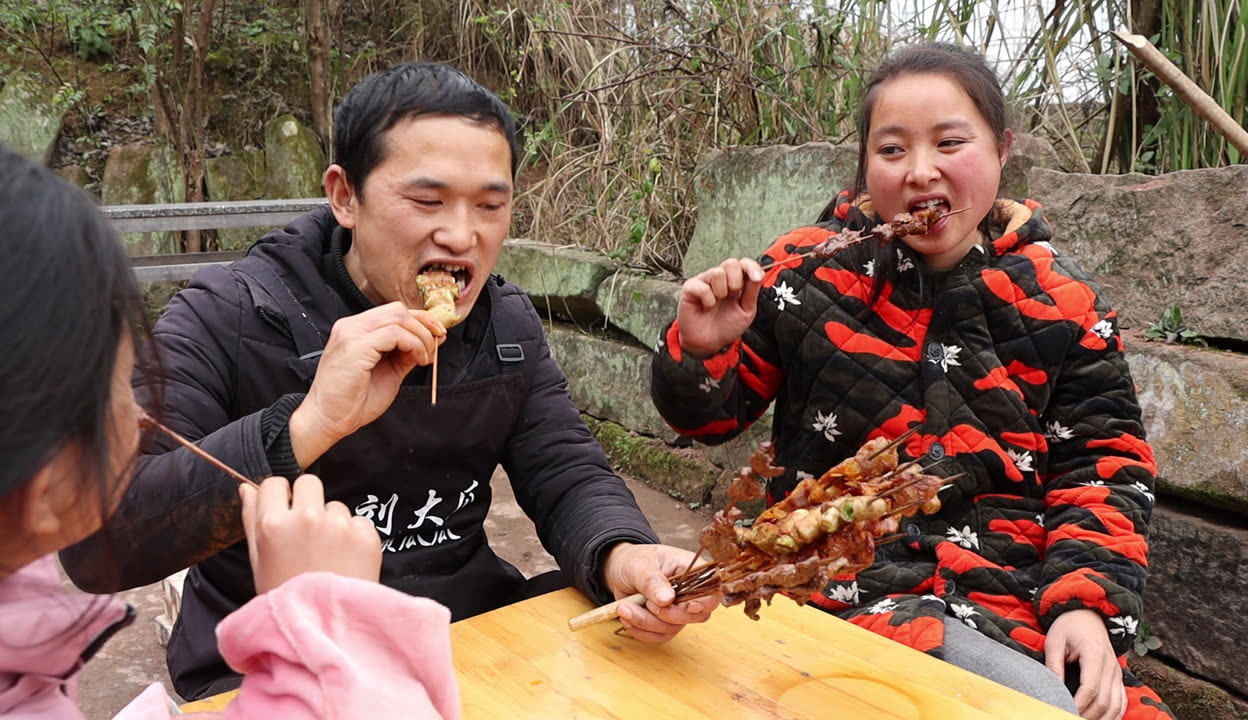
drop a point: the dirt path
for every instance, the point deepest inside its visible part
(133, 659)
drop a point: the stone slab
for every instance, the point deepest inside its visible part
(641, 306)
(747, 197)
(683, 473)
(1195, 410)
(608, 380)
(1197, 594)
(1154, 242)
(561, 280)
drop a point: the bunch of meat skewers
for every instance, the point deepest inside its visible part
(828, 526)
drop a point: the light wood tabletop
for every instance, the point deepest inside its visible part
(522, 661)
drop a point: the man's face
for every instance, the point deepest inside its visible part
(440, 199)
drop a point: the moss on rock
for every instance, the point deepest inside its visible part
(681, 473)
(1188, 697)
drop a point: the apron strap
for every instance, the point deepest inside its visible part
(267, 288)
(515, 340)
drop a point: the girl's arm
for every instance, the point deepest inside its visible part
(1099, 485)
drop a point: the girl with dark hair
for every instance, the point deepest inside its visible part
(996, 350)
(68, 438)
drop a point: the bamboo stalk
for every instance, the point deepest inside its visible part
(607, 612)
(1185, 88)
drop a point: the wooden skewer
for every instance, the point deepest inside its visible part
(865, 234)
(150, 421)
(895, 442)
(433, 399)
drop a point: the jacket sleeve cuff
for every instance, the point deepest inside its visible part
(595, 557)
(1086, 589)
(275, 436)
(322, 645)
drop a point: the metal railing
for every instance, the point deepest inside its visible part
(199, 216)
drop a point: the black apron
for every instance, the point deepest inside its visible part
(421, 473)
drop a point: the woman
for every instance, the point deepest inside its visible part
(996, 350)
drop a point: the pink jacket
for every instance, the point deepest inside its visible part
(319, 646)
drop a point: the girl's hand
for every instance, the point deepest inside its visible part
(1081, 635)
(718, 305)
(289, 533)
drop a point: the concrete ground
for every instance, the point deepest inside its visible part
(133, 659)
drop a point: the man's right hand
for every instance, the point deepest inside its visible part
(359, 374)
(718, 305)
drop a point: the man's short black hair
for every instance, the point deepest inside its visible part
(403, 92)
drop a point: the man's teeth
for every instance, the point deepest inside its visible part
(928, 204)
(459, 273)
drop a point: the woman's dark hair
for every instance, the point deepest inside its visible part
(69, 298)
(378, 102)
(970, 71)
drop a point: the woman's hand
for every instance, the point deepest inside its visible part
(292, 532)
(718, 305)
(645, 569)
(1081, 635)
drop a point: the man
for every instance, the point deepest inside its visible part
(313, 353)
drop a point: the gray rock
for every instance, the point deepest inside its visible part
(1154, 242)
(76, 174)
(747, 197)
(1187, 696)
(1197, 595)
(1195, 405)
(30, 117)
(608, 380)
(679, 472)
(562, 280)
(239, 176)
(640, 306)
(293, 160)
(1029, 151)
(143, 175)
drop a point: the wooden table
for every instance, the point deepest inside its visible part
(522, 661)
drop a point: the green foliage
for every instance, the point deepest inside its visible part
(85, 27)
(619, 102)
(1171, 329)
(1208, 41)
(1146, 640)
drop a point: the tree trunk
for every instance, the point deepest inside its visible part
(318, 43)
(178, 92)
(194, 117)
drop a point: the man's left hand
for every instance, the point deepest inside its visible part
(645, 569)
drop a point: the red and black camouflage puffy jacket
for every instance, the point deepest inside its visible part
(1010, 368)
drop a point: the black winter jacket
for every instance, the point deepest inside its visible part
(242, 339)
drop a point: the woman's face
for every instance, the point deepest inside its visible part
(929, 146)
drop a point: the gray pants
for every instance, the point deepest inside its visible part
(971, 650)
